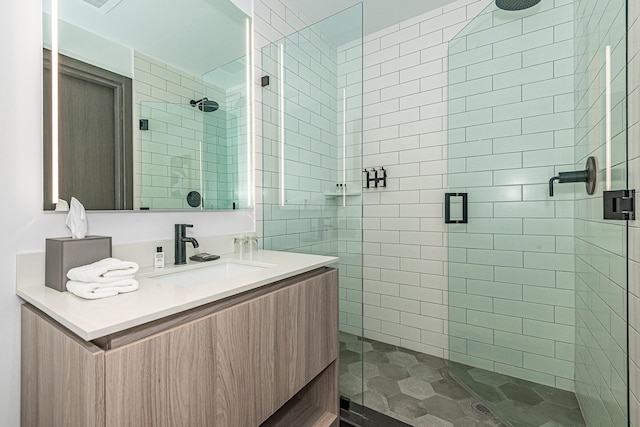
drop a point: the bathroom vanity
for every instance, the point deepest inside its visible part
(265, 355)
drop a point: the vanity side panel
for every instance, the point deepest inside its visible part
(62, 376)
(166, 380)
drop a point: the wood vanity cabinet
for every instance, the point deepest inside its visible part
(267, 357)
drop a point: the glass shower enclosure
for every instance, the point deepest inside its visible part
(312, 162)
(538, 283)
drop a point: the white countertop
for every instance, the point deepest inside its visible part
(91, 319)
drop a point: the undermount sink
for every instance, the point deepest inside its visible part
(216, 271)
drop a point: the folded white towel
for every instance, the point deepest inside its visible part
(104, 271)
(101, 290)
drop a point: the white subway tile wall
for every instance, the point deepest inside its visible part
(509, 115)
(405, 130)
(601, 283)
(511, 100)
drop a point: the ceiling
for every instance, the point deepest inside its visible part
(377, 14)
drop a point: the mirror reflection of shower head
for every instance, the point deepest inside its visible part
(205, 105)
(516, 4)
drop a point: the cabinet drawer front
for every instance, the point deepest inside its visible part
(232, 368)
(166, 380)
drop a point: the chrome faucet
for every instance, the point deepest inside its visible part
(180, 243)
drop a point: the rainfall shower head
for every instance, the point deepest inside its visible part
(516, 4)
(205, 105)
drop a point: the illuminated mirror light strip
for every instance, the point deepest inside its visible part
(608, 117)
(249, 98)
(54, 102)
(251, 188)
(281, 119)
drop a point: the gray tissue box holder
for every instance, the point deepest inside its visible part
(65, 253)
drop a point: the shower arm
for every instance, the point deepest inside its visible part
(588, 176)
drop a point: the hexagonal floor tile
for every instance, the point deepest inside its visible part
(406, 406)
(431, 421)
(370, 370)
(521, 394)
(350, 385)
(487, 393)
(488, 377)
(564, 416)
(359, 346)
(375, 357)
(394, 372)
(415, 388)
(433, 361)
(556, 396)
(443, 408)
(424, 373)
(383, 386)
(450, 389)
(348, 357)
(402, 359)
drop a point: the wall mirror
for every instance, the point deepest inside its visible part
(154, 104)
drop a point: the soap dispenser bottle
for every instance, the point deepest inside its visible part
(158, 260)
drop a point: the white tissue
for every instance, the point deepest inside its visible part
(77, 219)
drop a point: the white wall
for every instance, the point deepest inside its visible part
(26, 226)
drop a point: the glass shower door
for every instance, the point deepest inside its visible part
(537, 283)
(312, 162)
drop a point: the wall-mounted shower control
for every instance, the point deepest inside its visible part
(588, 176)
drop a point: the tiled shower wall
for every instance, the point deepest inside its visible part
(405, 252)
(511, 128)
(601, 282)
(512, 295)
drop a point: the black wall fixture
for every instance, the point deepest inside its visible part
(194, 199)
(463, 217)
(375, 176)
(588, 176)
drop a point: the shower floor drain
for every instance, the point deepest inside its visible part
(480, 408)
